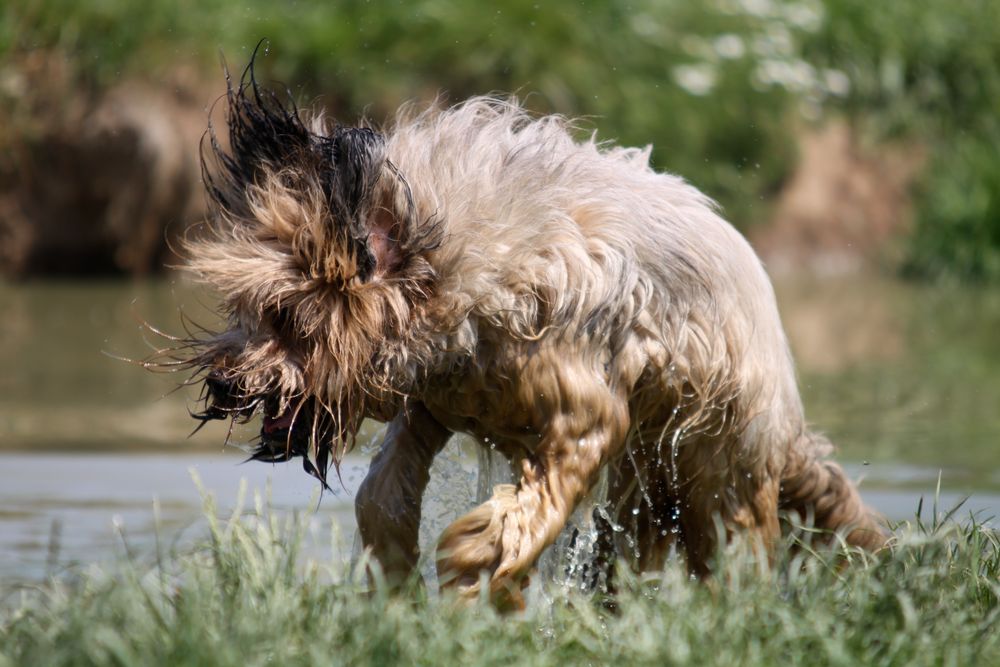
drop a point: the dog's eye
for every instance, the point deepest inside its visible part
(282, 321)
(366, 263)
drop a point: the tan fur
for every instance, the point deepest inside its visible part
(575, 308)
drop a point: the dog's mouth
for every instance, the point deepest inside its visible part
(223, 399)
(281, 424)
(277, 425)
(296, 429)
(290, 427)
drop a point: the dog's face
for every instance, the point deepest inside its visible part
(319, 261)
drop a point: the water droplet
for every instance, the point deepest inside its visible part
(674, 444)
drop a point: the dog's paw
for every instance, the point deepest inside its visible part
(474, 544)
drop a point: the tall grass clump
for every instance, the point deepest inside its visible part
(247, 597)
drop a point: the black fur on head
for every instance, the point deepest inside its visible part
(268, 133)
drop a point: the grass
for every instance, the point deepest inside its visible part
(248, 596)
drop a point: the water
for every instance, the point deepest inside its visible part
(61, 510)
(904, 379)
(901, 374)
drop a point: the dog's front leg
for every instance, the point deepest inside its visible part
(504, 536)
(388, 502)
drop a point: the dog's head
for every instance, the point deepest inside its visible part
(320, 263)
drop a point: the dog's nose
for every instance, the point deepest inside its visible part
(218, 385)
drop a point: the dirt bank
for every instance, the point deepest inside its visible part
(845, 207)
(96, 183)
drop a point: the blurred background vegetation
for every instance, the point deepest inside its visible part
(723, 89)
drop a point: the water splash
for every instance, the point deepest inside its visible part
(453, 490)
(572, 561)
(463, 476)
(493, 469)
(674, 446)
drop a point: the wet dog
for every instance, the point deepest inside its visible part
(479, 270)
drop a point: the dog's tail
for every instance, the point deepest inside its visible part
(817, 488)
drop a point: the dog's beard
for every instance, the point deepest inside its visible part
(320, 432)
(303, 429)
(300, 416)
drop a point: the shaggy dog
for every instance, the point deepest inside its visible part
(479, 270)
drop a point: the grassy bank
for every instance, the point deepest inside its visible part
(247, 598)
(721, 89)
(651, 73)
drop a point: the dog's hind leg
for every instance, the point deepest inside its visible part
(818, 488)
(721, 500)
(645, 510)
(389, 499)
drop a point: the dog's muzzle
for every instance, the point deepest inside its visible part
(279, 428)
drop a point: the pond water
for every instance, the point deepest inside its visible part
(905, 379)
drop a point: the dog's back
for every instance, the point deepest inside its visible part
(546, 234)
(542, 231)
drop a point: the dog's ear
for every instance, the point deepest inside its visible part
(385, 241)
(360, 199)
(347, 185)
(395, 236)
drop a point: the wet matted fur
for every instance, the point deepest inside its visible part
(476, 269)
